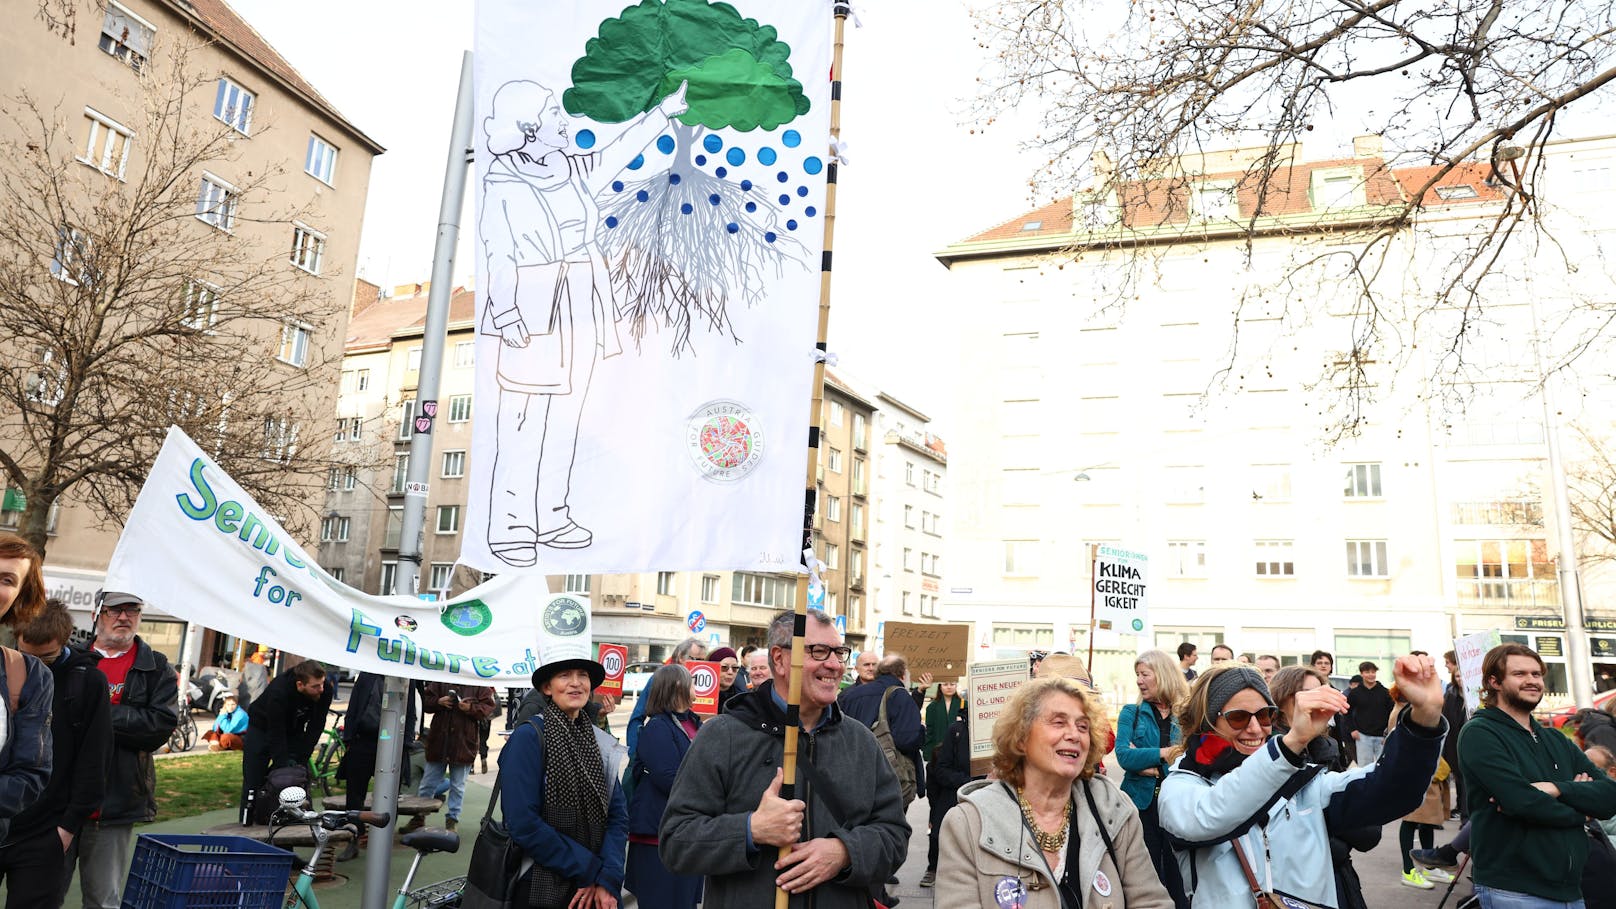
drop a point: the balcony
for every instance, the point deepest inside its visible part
(1515, 593)
(1500, 513)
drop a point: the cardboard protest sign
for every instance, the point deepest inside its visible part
(704, 692)
(1471, 651)
(614, 658)
(941, 650)
(991, 685)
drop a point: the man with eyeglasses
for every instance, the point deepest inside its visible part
(145, 710)
(731, 809)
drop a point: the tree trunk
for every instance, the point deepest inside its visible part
(36, 521)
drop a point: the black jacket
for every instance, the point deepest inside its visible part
(81, 732)
(141, 723)
(1369, 710)
(951, 767)
(1596, 728)
(289, 723)
(25, 755)
(1454, 710)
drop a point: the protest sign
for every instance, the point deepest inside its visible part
(197, 546)
(991, 685)
(1119, 590)
(651, 187)
(614, 659)
(941, 650)
(704, 693)
(1471, 651)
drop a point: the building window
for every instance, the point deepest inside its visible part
(908, 559)
(763, 590)
(438, 580)
(833, 556)
(355, 380)
(233, 105)
(72, 262)
(395, 527)
(389, 578)
(406, 423)
(127, 36)
(834, 460)
(1506, 573)
(859, 431)
(709, 588)
(837, 413)
(308, 248)
(201, 305)
(1366, 558)
(933, 483)
(1363, 481)
(857, 519)
(465, 353)
(216, 202)
(831, 600)
(833, 508)
(294, 344)
(448, 519)
(280, 439)
(1026, 637)
(1274, 559)
(459, 408)
(348, 429)
(858, 478)
(412, 359)
(334, 528)
(664, 583)
(338, 574)
(906, 608)
(576, 583)
(1186, 558)
(1500, 513)
(454, 464)
(909, 516)
(909, 472)
(1271, 482)
(106, 148)
(858, 566)
(321, 160)
(401, 471)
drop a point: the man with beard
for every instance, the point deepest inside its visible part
(1529, 789)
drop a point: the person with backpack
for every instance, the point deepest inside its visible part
(284, 726)
(895, 720)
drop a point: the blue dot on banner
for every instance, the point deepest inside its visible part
(664, 144)
(782, 176)
(736, 157)
(637, 163)
(811, 211)
(700, 160)
(802, 191)
(766, 155)
(713, 142)
(685, 209)
(721, 172)
(751, 207)
(585, 138)
(611, 222)
(673, 179)
(791, 225)
(785, 199)
(813, 165)
(746, 186)
(732, 227)
(642, 195)
(792, 138)
(617, 186)
(769, 236)
(713, 199)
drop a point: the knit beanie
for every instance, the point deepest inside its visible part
(717, 656)
(1230, 682)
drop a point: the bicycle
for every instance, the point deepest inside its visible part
(323, 763)
(183, 738)
(443, 894)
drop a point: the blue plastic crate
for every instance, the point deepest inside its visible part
(175, 871)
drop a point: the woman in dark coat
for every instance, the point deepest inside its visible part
(669, 728)
(451, 742)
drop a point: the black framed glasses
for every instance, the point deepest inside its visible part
(1240, 719)
(822, 652)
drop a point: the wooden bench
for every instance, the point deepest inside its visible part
(415, 807)
(295, 835)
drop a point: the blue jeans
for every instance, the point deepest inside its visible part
(432, 779)
(1493, 898)
(1369, 749)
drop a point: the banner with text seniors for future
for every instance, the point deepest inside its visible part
(197, 546)
(651, 184)
(1119, 590)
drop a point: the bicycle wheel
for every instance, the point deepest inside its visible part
(183, 738)
(329, 758)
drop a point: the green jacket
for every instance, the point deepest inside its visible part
(940, 714)
(1522, 839)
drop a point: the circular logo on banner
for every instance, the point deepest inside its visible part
(469, 618)
(1138, 625)
(725, 440)
(405, 622)
(612, 662)
(565, 617)
(703, 681)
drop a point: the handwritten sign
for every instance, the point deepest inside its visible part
(704, 691)
(1119, 590)
(1471, 651)
(614, 659)
(991, 686)
(941, 650)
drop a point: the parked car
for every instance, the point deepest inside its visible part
(636, 677)
(1564, 715)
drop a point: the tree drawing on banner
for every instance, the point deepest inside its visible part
(689, 234)
(655, 226)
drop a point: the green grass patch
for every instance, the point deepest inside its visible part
(199, 783)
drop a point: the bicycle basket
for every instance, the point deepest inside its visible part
(440, 895)
(182, 870)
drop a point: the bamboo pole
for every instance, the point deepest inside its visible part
(816, 405)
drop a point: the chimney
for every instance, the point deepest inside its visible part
(1370, 146)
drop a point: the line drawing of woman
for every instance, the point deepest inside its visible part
(549, 301)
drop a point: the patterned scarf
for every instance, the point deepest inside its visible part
(575, 790)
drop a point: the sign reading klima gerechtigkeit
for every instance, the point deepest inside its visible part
(1119, 589)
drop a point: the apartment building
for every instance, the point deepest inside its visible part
(911, 462)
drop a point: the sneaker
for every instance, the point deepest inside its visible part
(929, 878)
(1438, 876)
(1440, 857)
(1413, 878)
(451, 824)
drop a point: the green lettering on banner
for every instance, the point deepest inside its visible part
(485, 667)
(358, 628)
(210, 502)
(389, 650)
(454, 660)
(431, 659)
(227, 516)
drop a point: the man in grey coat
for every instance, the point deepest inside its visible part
(730, 810)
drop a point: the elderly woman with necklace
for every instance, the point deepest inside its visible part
(1048, 833)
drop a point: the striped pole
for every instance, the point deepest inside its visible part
(816, 405)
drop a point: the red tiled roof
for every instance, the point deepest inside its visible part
(1471, 173)
(377, 324)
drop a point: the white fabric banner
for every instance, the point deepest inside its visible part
(651, 181)
(198, 547)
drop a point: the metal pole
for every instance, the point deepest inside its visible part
(390, 748)
(1579, 664)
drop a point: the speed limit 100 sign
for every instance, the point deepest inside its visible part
(613, 657)
(704, 687)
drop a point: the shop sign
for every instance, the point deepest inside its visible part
(1603, 648)
(1539, 623)
(1548, 646)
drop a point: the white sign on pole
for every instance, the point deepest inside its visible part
(991, 685)
(1119, 590)
(1471, 651)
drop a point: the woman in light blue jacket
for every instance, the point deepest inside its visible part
(1236, 788)
(1146, 732)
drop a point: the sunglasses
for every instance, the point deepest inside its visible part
(1240, 719)
(822, 652)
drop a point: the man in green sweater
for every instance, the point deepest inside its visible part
(1529, 790)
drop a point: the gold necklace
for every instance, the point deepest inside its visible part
(1048, 842)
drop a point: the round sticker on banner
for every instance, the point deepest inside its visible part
(1010, 893)
(1102, 884)
(703, 682)
(565, 617)
(1138, 625)
(724, 440)
(469, 618)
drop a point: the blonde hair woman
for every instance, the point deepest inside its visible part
(1047, 834)
(1146, 734)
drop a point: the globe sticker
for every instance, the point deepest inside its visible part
(406, 622)
(724, 440)
(565, 617)
(1138, 625)
(467, 619)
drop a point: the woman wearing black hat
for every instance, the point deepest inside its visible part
(1247, 812)
(563, 803)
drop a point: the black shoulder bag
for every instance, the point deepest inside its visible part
(496, 860)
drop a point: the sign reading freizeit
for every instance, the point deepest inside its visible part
(938, 649)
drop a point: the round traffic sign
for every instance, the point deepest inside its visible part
(612, 662)
(696, 622)
(703, 681)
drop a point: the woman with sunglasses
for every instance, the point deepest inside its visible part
(1247, 811)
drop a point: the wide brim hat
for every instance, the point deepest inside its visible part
(597, 672)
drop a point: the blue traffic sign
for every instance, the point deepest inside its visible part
(696, 622)
(841, 624)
